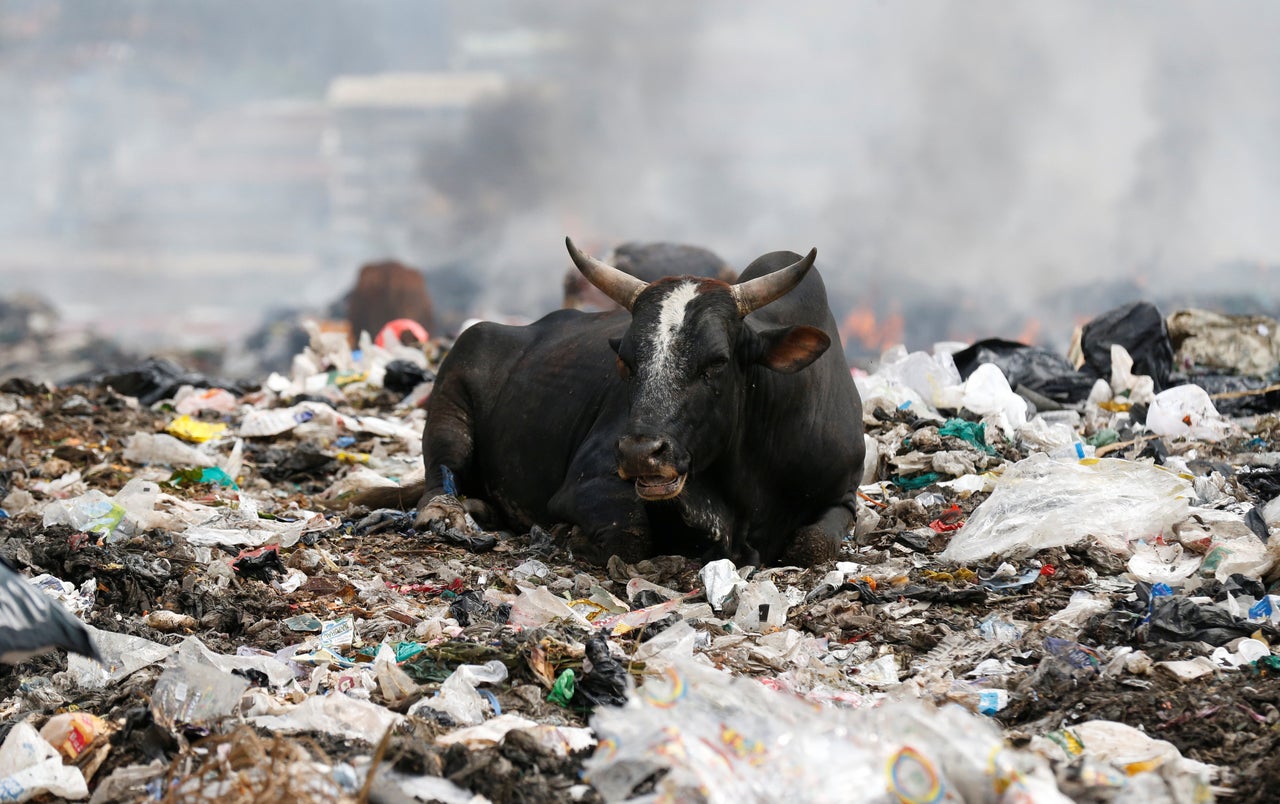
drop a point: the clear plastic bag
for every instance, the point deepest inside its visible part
(726, 739)
(1042, 503)
(458, 697)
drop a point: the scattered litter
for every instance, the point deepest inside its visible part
(1041, 544)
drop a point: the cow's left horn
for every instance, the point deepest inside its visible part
(620, 286)
(756, 293)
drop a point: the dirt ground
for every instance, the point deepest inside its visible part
(400, 586)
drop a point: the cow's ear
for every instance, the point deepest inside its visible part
(615, 344)
(789, 349)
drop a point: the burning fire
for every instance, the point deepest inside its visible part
(863, 330)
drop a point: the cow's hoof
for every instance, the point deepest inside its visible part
(812, 545)
(443, 509)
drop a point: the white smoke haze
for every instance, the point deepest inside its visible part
(985, 162)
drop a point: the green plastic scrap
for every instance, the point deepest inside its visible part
(973, 432)
(917, 482)
(207, 474)
(407, 650)
(1268, 665)
(1103, 437)
(562, 691)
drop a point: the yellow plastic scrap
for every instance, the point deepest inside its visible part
(348, 378)
(352, 457)
(1115, 407)
(588, 608)
(198, 432)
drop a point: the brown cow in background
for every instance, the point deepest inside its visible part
(386, 291)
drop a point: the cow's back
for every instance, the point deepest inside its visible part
(533, 393)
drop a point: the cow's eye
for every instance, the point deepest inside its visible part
(711, 370)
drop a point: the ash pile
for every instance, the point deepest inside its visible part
(1060, 588)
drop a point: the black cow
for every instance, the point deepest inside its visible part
(703, 418)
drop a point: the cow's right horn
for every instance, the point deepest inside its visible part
(622, 287)
(756, 293)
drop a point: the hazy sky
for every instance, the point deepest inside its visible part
(1008, 149)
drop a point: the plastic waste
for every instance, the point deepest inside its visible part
(194, 430)
(71, 732)
(77, 602)
(1167, 563)
(121, 656)
(1128, 749)
(720, 738)
(987, 393)
(604, 681)
(402, 376)
(335, 714)
(721, 580)
(1028, 367)
(533, 569)
(394, 683)
(189, 400)
(1041, 503)
(458, 697)
(189, 692)
(561, 740)
(127, 783)
(1246, 652)
(1136, 388)
(147, 448)
(1141, 330)
(1186, 411)
(150, 381)
(538, 606)
(931, 377)
(996, 629)
(1176, 618)
(761, 607)
(92, 512)
(30, 766)
(563, 688)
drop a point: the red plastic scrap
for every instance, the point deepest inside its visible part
(456, 586)
(949, 521)
(1048, 571)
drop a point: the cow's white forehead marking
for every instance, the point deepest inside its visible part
(670, 319)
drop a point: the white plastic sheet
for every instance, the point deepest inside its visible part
(1041, 503)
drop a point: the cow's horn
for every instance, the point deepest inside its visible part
(756, 293)
(622, 287)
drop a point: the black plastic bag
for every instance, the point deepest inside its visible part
(1141, 330)
(1240, 405)
(1031, 367)
(151, 380)
(605, 684)
(261, 564)
(1179, 619)
(403, 376)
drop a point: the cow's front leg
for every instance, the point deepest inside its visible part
(608, 517)
(820, 541)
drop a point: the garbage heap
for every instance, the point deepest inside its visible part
(1059, 588)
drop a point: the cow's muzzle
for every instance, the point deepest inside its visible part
(650, 461)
